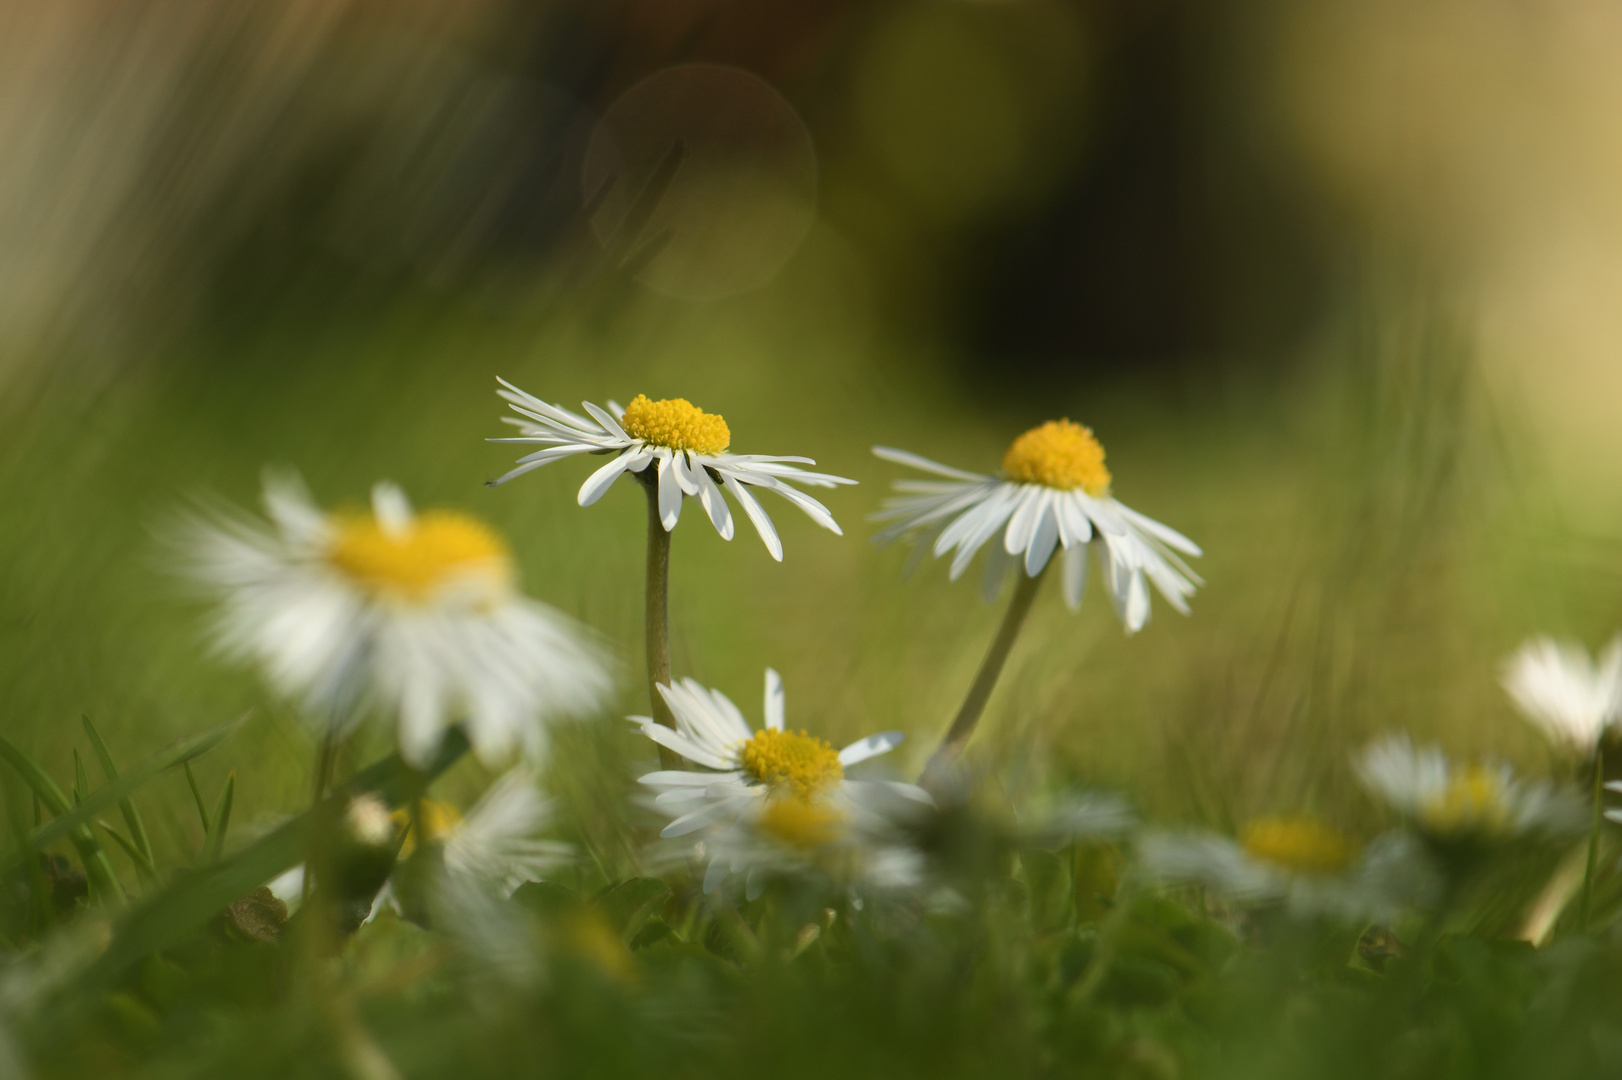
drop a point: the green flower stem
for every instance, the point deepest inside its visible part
(1593, 836)
(957, 736)
(658, 614)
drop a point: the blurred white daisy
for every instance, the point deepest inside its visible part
(417, 615)
(749, 772)
(686, 446)
(862, 845)
(497, 844)
(1469, 803)
(1567, 695)
(1298, 861)
(1053, 494)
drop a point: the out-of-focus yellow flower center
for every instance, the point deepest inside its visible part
(1474, 801)
(676, 423)
(1300, 844)
(414, 562)
(793, 760)
(439, 820)
(1059, 454)
(800, 823)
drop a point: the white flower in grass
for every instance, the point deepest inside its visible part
(767, 775)
(417, 615)
(863, 845)
(497, 844)
(1568, 696)
(1472, 803)
(683, 443)
(1310, 868)
(1053, 494)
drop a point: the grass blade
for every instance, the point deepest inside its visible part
(143, 865)
(174, 913)
(66, 821)
(222, 819)
(197, 796)
(97, 867)
(81, 783)
(126, 806)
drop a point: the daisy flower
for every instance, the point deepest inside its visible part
(1476, 803)
(1053, 493)
(1298, 861)
(789, 783)
(862, 845)
(416, 615)
(1569, 697)
(686, 447)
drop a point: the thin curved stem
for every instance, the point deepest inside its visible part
(1593, 836)
(657, 614)
(968, 715)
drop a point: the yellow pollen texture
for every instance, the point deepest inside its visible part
(1473, 801)
(800, 823)
(1300, 844)
(676, 423)
(1059, 454)
(439, 820)
(437, 547)
(797, 762)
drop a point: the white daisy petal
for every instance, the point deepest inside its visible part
(598, 483)
(1075, 575)
(872, 746)
(757, 516)
(670, 493)
(903, 457)
(775, 707)
(1044, 538)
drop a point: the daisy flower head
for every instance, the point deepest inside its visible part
(789, 786)
(1464, 804)
(1296, 860)
(862, 845)
(496, 845)
(685, 446)
(417, 616)
(1566, 695)
(1052, 494)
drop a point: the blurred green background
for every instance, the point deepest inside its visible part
(1332, 282)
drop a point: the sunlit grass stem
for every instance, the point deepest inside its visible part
(658, 614)
(968, 715)
(1593, 837)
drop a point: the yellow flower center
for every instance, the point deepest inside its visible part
(439, 820)
(676, 423)
(1059, 454)
(1473, 801)
(1299, 844)
(800, 823)
(796, 761)
(412, 563)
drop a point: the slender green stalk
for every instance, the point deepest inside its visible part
(658, 614)
(968, 715)
(1593, 836)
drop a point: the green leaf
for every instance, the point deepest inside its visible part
(81, 783)
(222, 820)
(126, 806)
(546, 898)
(174, 754)
(142, 864)
(172, 914)
(97, 867)
(197, 795)
(630, 903)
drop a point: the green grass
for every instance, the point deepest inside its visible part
(1377, 537)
